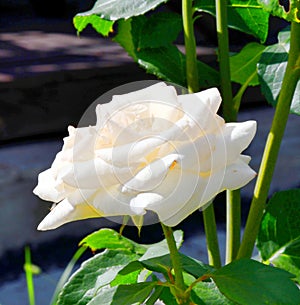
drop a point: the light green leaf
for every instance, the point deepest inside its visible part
(103, 27)
(271, 69)
(110, 239)
(124, 294)
(246, 16)
(289, 9)
(243, 66)
(209, 294)
(116, 9)
(93, 274)
(249, 282)
(279, 236)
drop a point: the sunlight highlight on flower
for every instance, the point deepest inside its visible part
(150, 150)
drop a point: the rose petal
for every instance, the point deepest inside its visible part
(47, 187)
(238, 174)
(151, 175)
(65, 212)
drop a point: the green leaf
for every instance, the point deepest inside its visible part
(166, 61)
(103, 27)
(159, 30)
(161, 248)
(93, 274)
(124, 294)
(193, 266)
(246, 16)
(209, 294)
(289, 9)
(162, 264)
(271, 69)
(243, 66)
(249, 282)
(116, 9)
(110, 239)
(167, 297)
(279, 236)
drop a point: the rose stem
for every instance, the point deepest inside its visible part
(233, 198)
(193, 86)
(175, 259)
(264, 178)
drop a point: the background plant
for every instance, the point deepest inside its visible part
(129, 273)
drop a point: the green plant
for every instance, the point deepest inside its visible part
(129, 273)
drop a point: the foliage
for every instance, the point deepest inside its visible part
(126, 272)
(279, 237)
(271, 70)
(246, 17)
(115, 275)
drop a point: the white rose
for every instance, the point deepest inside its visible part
(149, 150)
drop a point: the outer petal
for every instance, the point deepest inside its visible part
(177, 189)
(65, 212)
(234, 176)
(158, 92)
(238, 174)
(201, 108)
(237, 137)
(47, 187)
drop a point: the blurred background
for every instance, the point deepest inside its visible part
(48, 77)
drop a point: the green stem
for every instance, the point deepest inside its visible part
(230, 111)
(192, 84)
(210, 227)
(29, 276)
(289, 83)
(233, 224)
(175, 258)
(180, 288)
(238, 97)
(190, 46)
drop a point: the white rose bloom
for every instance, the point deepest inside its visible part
(149, 150)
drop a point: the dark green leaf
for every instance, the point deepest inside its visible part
(162, 264)
(159, 30)
(193, 266)
(288, 9)
(249, 282)
(110, 239)
(167, 297)
(246, 16)
(271, 69)
(165, 62)
(116, 9)
(103, 27)
(155, 295)
(243, 66)
(124, 294)
(94, 273)
(279, 236)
